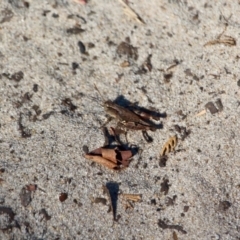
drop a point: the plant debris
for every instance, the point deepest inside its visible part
(203, 112)
(132, 197)
(164, 225)
(169, 146)
(111, 158)
(75, 30)
(226, 40)
(127, 49)
(100, 200)
(131, 13)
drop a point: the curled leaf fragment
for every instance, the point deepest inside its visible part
(132, 197)
(111, 158)
(169, 146)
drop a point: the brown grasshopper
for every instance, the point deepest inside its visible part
(127, 119)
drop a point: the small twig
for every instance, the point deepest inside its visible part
(201, 113)
(226, 40)
(130, 12)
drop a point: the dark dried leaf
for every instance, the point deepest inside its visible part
(63, 197)
(110, 158)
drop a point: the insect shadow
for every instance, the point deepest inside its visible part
(144, 114)
(141, 111)
(113, 189)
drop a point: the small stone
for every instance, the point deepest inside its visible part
(211, 107)
(82, 47)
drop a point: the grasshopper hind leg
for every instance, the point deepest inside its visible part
(109, 119)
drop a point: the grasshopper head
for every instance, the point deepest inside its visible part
(108, 103)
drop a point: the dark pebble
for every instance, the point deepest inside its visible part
(82, 47)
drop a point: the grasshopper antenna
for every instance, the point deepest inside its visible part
(95, 86)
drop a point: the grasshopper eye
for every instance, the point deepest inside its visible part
(107, 103)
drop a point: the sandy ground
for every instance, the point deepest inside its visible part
(183, 61)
